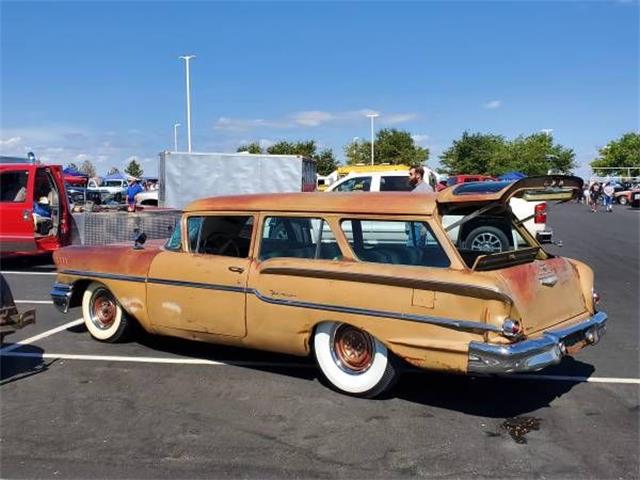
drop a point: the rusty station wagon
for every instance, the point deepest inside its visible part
(361, 282)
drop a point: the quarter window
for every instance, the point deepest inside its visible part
(298, 237)
(394, 242)
(174, 243)
(13, 186)
(356, 184)
(395, 184)
(227, 235)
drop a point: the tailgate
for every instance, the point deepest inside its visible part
(545, 293)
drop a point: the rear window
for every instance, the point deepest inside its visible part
(13, 186)
(395, 183)
(394, 242)
(298, 237)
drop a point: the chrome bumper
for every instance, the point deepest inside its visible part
(61, 296)
(535, 354)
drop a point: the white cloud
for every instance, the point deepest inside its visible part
(312, 118)
(547, 131)
(420, 138)
(10, 141)
(493, 104)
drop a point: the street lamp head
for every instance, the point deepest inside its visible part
(175, 125)
(373, 115)
(187, 57)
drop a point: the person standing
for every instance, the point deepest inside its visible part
(133, 189)
(608, 191)
(594, 197)
(416, 180)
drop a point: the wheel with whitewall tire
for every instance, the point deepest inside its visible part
(103, 316)
(353, 361)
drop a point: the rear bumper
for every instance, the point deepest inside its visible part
(535, 354)
(61, 296)
(544, 236)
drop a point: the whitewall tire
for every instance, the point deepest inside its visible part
(353, 361)
(103, 315)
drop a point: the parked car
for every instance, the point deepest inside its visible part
(10, 319)
(148, 198)
(27, 189)
(487, 237)
(311, 274)
(456, 179)
(634, 196)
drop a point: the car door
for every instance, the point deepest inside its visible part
(201, 286)
(16, 203)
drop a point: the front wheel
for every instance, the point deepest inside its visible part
(622, 200)
(353, 361)
(103, 315)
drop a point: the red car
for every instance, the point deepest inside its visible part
(34, 210)
(455, 179)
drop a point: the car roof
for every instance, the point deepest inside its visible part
(326, 202)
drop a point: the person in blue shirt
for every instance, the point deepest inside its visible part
(133, 189)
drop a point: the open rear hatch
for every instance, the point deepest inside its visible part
(545, 289)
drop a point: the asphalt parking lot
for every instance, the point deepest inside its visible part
(163, 408)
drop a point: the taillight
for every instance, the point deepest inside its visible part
(540, 213)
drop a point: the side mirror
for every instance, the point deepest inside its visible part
(139, 240)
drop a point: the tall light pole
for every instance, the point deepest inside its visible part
(175, 136)
(186, 59)
(372, 116)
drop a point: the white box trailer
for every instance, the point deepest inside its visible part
(184, 177)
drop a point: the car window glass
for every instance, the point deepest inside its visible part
(225, 235)
(298, 237)
(394, 242)
(356, 184)
(13, 186)
(395, 184)
(174, 242)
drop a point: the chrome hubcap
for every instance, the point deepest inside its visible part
(352, 349)
(103, 309)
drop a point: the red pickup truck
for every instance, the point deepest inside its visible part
(34, 210)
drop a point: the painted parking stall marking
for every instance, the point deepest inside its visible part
(40, 336)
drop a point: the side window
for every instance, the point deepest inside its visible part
(395, 184)
(13, 186)
(225, 235)
(174, 243)
(298, 237)
(356, 184)
(394, 242)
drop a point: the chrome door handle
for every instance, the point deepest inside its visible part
(236, 269)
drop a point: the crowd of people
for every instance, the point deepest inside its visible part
(596, 193)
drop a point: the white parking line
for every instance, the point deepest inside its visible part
(8, 272)
(566, 378)
(42, 335)
(37, 302)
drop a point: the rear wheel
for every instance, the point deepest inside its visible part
(353, 361)
(622, 200)
(103, 316)
(487, 239)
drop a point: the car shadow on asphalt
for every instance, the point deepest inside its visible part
(14, 368)
(29, 263)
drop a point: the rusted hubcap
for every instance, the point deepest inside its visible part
(103, 309)
(353, 348)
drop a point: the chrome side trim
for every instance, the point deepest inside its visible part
(465, 325)
(468, 290)
(61, 295)
(535, 354)
(443, 322)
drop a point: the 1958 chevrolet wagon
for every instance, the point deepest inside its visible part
(362, 283)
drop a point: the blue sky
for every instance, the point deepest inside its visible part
(102, 81)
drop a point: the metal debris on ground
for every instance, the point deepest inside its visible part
(518, 427)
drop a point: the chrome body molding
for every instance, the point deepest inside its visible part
(61, 295)
(535, 354)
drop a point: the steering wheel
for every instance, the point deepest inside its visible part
(220, 244)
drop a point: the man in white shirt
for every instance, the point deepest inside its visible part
(608, 191)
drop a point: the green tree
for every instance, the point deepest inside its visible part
(392, 146)
(253, 147)
(113, 170)
(477, 153)
(623, 152)
(325, 162)
(305, 148)
(88, 168)
(490, 154)
(536, 154)
(134, 169)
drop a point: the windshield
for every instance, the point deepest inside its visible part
(484, 235)
(112, 183)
